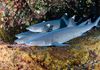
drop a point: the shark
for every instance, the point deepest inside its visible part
(28, 36)
(24, 34)
(47, 26)
(60, 36)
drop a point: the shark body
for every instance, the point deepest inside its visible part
(44, 26)
(28, 36)
(23, 38)
(60, 36)
(47, 26)
(53, 24)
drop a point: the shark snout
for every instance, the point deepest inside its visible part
(18, 41)
(35, 29)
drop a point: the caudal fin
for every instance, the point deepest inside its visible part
(97, 21)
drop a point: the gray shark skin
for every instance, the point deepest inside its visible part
(23, 34)
(45, 25)
(42, 27)
(28, 36)
(23, 38)
(61, 35)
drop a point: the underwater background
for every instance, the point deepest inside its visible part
(15, 15)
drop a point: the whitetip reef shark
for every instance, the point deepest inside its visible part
(28, 36)
(60, 36)
(45, 27)
(53, 24)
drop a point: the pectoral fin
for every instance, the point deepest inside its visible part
(59, 44)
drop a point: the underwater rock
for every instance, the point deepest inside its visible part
(82, 54)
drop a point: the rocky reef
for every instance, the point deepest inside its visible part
(15, 15)
(84, 53)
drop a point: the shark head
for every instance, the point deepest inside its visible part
(40, 27)
(45, 26)
(18, 41)
(23, 34)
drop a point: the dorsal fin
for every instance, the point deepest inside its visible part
(62, 24)
(71, 21)
(65, 18)
(43, 21)
(89, 21)
(85, 22)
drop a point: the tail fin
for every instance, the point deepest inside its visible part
(97, 21)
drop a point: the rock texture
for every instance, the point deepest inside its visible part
(84, 53)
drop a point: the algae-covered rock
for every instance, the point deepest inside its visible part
(84, 53)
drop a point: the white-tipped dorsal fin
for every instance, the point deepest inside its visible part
(71, 21)
(73, 17)
(65, 18)
(89, 21)
(66, 14)
(43, 21)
